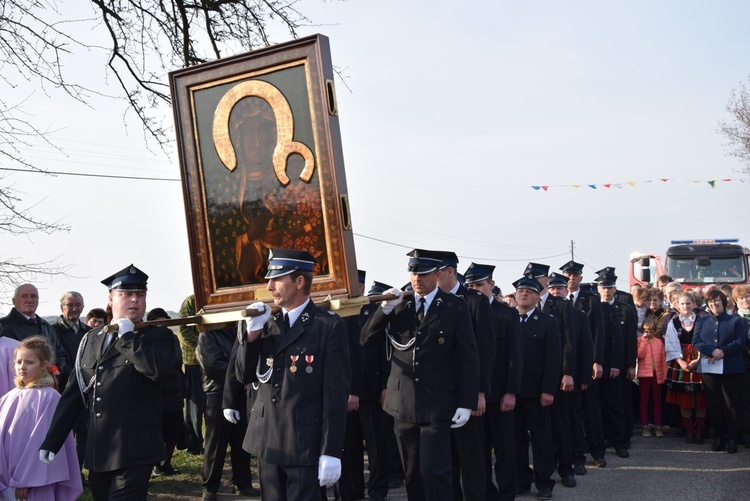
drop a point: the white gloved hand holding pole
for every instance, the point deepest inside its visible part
(124, 325)
(329, 470)
(256, 322)
(388, 305)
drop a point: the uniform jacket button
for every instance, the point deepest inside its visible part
(98, 384)
(416, 379)
(98, 414)
(98, 399)
(273, 400)
(101, 367)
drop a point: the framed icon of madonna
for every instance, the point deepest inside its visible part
(262, 168)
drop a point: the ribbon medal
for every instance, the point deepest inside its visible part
(293, 368)
(309, 360)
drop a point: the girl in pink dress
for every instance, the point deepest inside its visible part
(25, 415)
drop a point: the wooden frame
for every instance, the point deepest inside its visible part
(261, 162)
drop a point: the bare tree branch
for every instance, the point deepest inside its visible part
(737, 130)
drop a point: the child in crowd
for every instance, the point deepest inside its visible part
(640, 298)
(652, 372)
(25, 415)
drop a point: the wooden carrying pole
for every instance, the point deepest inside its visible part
(210, 321)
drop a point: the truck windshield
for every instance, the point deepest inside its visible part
(704, 270)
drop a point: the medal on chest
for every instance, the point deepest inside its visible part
(309, 360)
(293, 368)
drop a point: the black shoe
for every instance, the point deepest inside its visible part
(209, 496)
(622, 453)
(600, 462)
(579, 469)
(158, 471)
(522, 489)
(395, 482)
(569, 480)
(718, 445)
(246, 491)
(545, 493)
(168, 469)
(731, 446)
(195, 452)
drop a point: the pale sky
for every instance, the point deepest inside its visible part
(456, 109)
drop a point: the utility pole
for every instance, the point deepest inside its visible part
(572, 256)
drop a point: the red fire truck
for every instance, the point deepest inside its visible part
(694, 263)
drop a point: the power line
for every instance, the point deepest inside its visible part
(82, 174)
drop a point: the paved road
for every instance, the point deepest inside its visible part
(658, 469)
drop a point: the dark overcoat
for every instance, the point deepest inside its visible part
(124, 401)
(440, 372)
(298, 414)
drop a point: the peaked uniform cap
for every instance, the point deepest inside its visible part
(536, 270)
(572, 267)
(378, 288)
(285, 261)
(606, 280)
(129, 278)
(528, 282)
(610, 270)
(449, 259)
(557, 280)
(424, 261)
(478, 272)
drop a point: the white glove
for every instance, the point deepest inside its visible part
(124, 325)
(46, 457)
(389, 304)
(460, 417)
(257, 323)
(231, 415)
(329, 470)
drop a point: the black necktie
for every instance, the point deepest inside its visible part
(524, 316)
(572, 296)
(286, 323)
(32, 320)
(420, 309)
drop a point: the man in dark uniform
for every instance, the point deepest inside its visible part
(558, 287)
(591, 305)
(372, 418)
(466, 442)
(505, 385)
(300, 357)
(622, 296)
(629, 327)
(70, 331)
(542, 355)
(560, 409)
(610, 386)
(434, 378)
(117, 378)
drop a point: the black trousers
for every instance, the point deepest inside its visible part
(577, 434)
(220, 433)
(288, 483)
(127, 484)
(426, 455)
(724, 402)
(500, 428)
(372, 417)
(351, 485)
(531, 418)
(561, 434)
(467, 460)
(593, 424)
(613, 414)
(195, 407)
